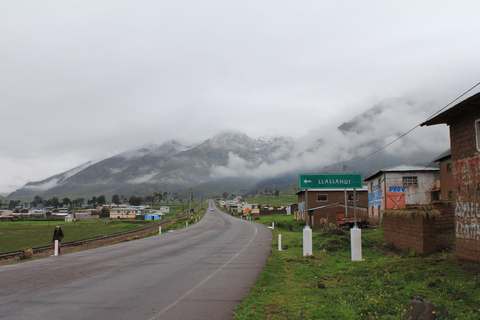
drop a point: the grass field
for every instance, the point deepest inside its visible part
(281, 200)
(18, 235)
(329, 285)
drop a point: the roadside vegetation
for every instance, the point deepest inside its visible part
(328, 285)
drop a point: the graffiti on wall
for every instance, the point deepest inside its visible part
(375, 198)
(466, 214)
(466, 171)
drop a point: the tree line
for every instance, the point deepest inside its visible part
(95, 201)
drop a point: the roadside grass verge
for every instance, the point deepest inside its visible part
(328, 285)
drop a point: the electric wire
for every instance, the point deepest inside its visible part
(418, 125)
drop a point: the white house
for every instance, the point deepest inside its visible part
(396, 187)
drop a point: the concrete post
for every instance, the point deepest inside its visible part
(280, 242)
(356, 243)
(187, 223)
(56, 248)
(160, 230)
(307, 241)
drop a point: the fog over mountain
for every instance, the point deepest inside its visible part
(236, 163)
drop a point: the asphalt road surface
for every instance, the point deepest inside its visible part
(199, 272)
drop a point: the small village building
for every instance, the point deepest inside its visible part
(463, 120)
(87, 214)
(154, 215)
(292, 208)
(397, 187)
(328, 206)
(125, 213)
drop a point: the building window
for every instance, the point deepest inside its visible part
(449, 167)
(350, 197)
(322, 197)
(410, 181)
(450, 194)
(477, 133)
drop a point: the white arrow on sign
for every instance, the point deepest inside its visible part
(307, 181)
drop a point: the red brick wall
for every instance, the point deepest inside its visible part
(466, 177)
(330, 214)
(417, 234)
(446, 179)
(446, 220)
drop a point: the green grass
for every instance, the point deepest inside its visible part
(19, 235)
(281, 200)
(381, 286)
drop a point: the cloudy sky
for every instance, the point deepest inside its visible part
(84, 80)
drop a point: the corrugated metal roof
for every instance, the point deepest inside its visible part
(445, 154)
(402, 168)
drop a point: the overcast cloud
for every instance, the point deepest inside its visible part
(84, 80)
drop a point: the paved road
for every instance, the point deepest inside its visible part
(199, 272)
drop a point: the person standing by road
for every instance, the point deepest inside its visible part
(57, 235)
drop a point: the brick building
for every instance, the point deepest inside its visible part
(328, 205)
(445, 182)
(463, 120)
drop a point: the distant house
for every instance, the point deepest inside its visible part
(292, 208)
(328, 205)
(154, 215)
(125, 213)
(464, 122)
(396, 187)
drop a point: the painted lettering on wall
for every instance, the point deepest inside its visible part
(466, 221)
(467, 210)
(375, 198)
(396, 189)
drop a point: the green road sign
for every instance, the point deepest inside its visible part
(330, 181)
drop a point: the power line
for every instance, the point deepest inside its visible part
(418, 125)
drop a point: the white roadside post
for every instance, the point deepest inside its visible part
(280, 242)
(356, 233)
(307, 232)
(56, 248)
(160, 230)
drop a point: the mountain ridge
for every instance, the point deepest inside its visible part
(233, 162)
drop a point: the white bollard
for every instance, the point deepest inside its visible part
(356, 243)
(56, 248)
(280, 242)
(273, 225)
(187, 223)
(160, 230)
(307, 241)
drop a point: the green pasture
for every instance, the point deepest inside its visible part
(271, 200)
(19, 235)
(328, 285)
